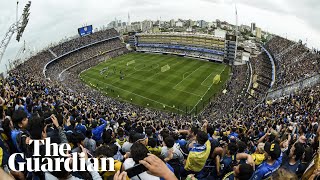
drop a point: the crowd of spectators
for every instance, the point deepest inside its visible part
(262, 75)
(56, 67)
(294, 61)
(76, 43)
(274, 140)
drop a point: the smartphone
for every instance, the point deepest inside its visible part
(136, 170)
(48, 120)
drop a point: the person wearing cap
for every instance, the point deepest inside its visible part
(240, 172)
(273, 160)
(140, 138)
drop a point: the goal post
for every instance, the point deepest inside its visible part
(165, 68)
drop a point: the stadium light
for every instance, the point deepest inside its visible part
(17, 27)
(25, 19)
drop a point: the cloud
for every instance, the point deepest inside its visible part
(307, 10)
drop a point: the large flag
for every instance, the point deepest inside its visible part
(216, 79)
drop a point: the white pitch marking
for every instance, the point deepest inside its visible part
(134, 93)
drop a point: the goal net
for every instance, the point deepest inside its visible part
(165, 68)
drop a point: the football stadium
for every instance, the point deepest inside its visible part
(159, 99)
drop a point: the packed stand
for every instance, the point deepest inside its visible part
(55, 68)
(262, 76)
(76, 43)
(281, 136)
(294, 61)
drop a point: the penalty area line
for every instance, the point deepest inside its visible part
(206, 91)
(134, 93)
(186, 77)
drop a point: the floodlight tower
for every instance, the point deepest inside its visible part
(18, 26)
(21, 52)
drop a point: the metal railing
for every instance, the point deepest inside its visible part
(292, 88)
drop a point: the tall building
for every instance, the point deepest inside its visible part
(190, 23)
(258, 33)
(218, 23)
(220, 33)
(172, 23)
(202, 24)
(146, 25)
(253, 27)
(118, 23)
(112, 24)
(129, 22)
(179, 24)
(136, 26)
(155, 29)
(244, 28)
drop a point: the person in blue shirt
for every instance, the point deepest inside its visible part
(229, 159)
(293, 162)
(98, 130)
(80, 127)
(240, 172)
(233, 133)
(273, 156)
(232, 159)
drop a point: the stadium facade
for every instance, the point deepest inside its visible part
(202, 46)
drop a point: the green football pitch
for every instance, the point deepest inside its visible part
(164, 82)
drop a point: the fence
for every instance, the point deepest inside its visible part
(284, 91)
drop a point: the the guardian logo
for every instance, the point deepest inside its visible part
(70, 160)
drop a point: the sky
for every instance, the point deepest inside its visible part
(53, 20)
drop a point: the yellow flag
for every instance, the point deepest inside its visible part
(216, 79)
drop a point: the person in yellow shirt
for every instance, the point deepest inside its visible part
(153, 148)
(198, 155)
(258, 156)
(106, 152)
(121, 137)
